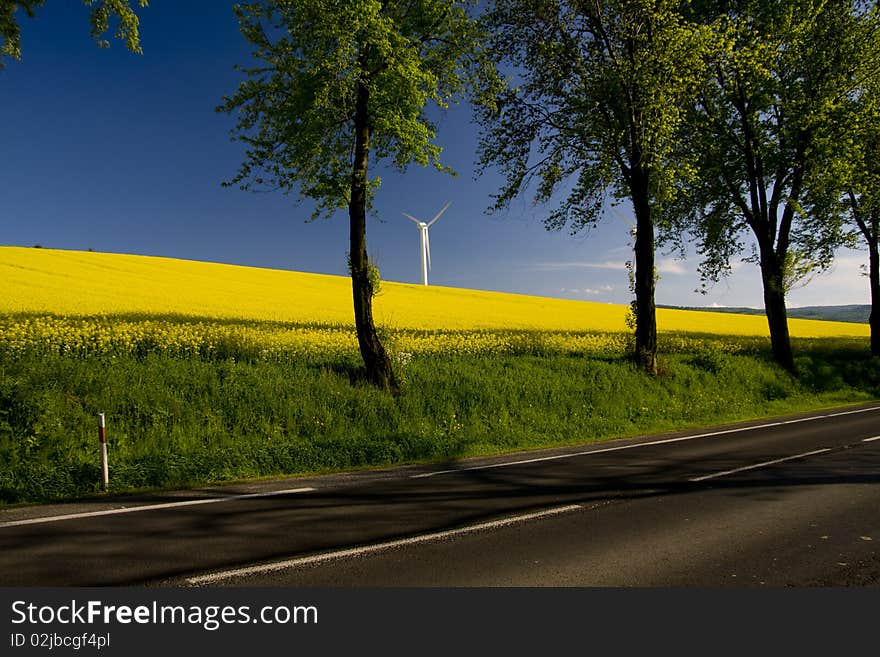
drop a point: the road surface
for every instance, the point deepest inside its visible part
(791, 501)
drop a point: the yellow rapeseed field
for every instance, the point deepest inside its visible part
(88, 302)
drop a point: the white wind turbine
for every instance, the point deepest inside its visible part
(425, 243)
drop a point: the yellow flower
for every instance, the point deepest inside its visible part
(83, 303)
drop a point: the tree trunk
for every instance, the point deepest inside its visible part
(645, 282)
(376, 361)
(772, 276)
(874, 275)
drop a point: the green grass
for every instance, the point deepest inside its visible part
(177, 422)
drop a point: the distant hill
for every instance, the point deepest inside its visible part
(856, 314)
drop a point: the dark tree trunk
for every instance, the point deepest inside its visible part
(870, 228)
(772, 276)
(874, 275)
(645, 282)
(376, 361)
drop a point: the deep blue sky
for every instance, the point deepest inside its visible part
(123, 153)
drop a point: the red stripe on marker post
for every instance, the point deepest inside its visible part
(103, 437)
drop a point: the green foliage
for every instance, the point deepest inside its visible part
(798, 269)
(770, 127)
(296, 109)
(374, 277)
(102, 11)
(597, 98)
(632, 314)
(126, 30)
(181, 421)
(850, 187)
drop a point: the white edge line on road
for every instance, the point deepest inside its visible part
(861, 410)
(645, 444)
(287, 564)
(151, 507)
(803, 419)
(871, 440)
(759, 465)
(589, 451)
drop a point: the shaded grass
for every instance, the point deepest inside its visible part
(175, 422)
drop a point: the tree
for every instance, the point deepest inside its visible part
(599, 109)
(862, 193)
(863, 197)
(339, 81)
(764, 133)
(101, 13)
(851, 187)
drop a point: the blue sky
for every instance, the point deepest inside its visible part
(123, 153)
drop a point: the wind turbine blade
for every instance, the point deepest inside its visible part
(412, 218)
(437, 216)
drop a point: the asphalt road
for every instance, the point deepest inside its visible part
(787, 502)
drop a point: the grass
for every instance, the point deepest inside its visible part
(183, 421)
(210, 372)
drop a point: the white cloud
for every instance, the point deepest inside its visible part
(842, 284)
(670, 266)
(588, 291)
(594, 292)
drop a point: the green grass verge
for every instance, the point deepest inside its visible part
(177, 422)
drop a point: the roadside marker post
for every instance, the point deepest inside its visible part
(103, 437)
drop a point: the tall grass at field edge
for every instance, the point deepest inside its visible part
(176, 422)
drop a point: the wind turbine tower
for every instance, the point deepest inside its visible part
(425, 243)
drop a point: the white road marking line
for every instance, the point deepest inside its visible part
(645, 444)
(151, 507)
(759, 465)
(871, 440)
(861, 410)
(803, 419)
(212, 578)
(590, 451)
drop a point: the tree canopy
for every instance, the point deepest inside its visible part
(100, 16)
(296, 108)
(598, 89)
